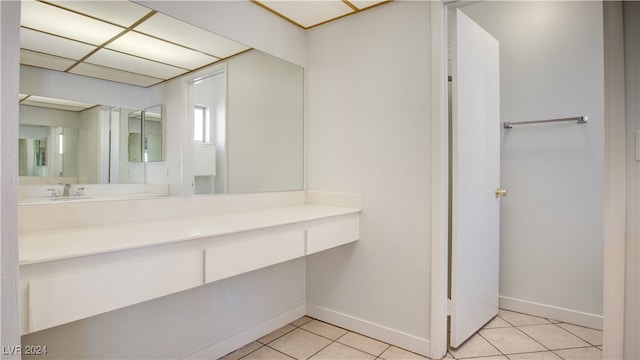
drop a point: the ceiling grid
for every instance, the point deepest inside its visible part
(121, 41)
(116, 40)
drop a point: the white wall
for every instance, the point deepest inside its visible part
(368, 132)
(632, 260)
(9, 78)
(551, 56)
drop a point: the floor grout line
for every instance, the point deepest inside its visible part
(492, 344)
(519, 328)
(388, 346)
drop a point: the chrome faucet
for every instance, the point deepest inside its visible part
(53, 192)
(78, 191)
(67, 187)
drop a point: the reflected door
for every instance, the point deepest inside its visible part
(475, 129)
(208, 144)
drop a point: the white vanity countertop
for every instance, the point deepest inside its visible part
(50, 245)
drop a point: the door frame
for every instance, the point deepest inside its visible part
(614, 188)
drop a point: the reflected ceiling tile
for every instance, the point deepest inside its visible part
(44, 61)
(45, 43)
(29, 102)
(158, 50)
(47, 18)
(308, 13)
(113, 59)
(363, 4)
(179, 32)
(124, 13)
(57, 103)
(105, 73)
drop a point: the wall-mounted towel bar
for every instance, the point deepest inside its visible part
(579, 119)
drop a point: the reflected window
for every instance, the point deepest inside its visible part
(201, 125)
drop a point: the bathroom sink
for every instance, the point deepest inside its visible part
(70, 198)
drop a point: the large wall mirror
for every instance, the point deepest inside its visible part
(255, 126)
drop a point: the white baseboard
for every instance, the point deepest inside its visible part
(388, 335)
(552, 312)
(249, 335)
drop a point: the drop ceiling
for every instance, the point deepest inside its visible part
(116, 40)
(126, 42)
(311, 13)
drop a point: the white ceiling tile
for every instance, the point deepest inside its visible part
(363, 4)
(56, 103)
(116, 60)
(179, 32)
(44, 61)
(105, 73)
(47, 18)
(63, 36)
(309, 13)
(124, 13)
(158, 50)
(45, 43)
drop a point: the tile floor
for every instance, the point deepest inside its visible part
(510, 336)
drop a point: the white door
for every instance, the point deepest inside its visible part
(475, 206)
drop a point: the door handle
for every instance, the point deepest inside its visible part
(501, 192)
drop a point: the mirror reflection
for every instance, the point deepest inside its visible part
(145, 135)
(134, 136)
(48, 141)
(85, 146)
(152, 130)
(236, 127)
(244, 119)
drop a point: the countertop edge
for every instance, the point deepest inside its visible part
(279, 216)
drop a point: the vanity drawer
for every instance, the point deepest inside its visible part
(63, 299)
(331, 232)
(252, 251)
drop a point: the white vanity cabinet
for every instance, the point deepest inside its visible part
(248, 252)
(324, 234)
(62, 299)
(71, 274)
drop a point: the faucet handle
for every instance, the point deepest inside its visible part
(78, 191)
(53, 192)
